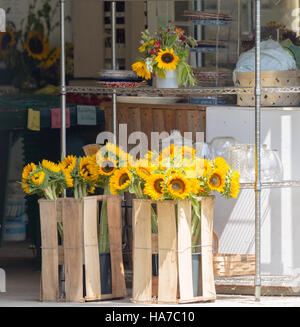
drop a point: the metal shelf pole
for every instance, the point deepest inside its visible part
(257, 154)
(63, 79)
(114, 65)
(63, 92)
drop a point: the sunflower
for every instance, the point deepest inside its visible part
(38, 178)
(120, 180)
(37, 46)
(221, 163)
(7, 40)
(51, 166)
(187, 152)
(69, 163)
(25, 188)
(88, 170)
(179, 186)
(113, 151)
(141, 70)
(167, 59)
(235, 184)
(27, 170)
(154, 186)
(143, 168)
(195, 185)
(107, 166)
(190, 167)
(68, 178)
(216, 180)
(52, 58)
(172, 171)
(203, 167)
(112, 188)
(169, 152)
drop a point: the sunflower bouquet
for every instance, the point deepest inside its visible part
(176, 173)
(47, 179)
(26, 52)
(166, 49)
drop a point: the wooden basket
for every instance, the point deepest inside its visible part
(270, 79)
(175, 276)
(79, 218)
(229, 265)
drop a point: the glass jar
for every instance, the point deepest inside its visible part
(220, 145)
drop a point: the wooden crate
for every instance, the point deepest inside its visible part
(80, 248)
(149, 118)
(230, 265)
(175, 282)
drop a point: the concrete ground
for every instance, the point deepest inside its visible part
(23, 287)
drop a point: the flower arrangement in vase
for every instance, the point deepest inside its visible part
(31, 62)
(165, 53)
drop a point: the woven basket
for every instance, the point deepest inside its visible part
(270, 78)
(229, 265)
(91, 149)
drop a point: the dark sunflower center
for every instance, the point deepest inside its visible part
(157, 185)
(177, 185)
(167, 58)
(5, 41)
(108, 168)
(123, 179)
(36, 45)
(68, 165)
(215, 180)
(86, 170)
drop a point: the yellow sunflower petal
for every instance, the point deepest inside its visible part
(121, 179)
(51, 166)
(38, 178)
(216, 180)
(69, 163)
(88, 169)
(179, 186)
(154, 186)
(167, 59)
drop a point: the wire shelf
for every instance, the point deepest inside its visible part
(178, 91)
(268, 185)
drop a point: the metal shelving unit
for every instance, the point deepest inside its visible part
(257, 90)
(180, 91)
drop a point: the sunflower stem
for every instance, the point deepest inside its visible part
(195, 231)
(103, 234)
(76, 192)
(154, 224)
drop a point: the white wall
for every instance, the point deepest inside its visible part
(234, 219)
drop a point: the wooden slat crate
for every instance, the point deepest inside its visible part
(80, 248)
(175, 276)
(230, 265)
(149, 118)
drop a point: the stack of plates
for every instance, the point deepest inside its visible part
(205, 15)
(208, 100)
(149, 100)
(204, 74)
(118, 76)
